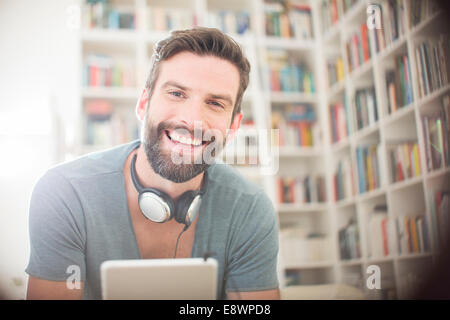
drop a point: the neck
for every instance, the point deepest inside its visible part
(150, 179)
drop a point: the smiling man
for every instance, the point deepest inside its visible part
(94, 209)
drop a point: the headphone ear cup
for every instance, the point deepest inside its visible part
(156, 206)
(182, 207)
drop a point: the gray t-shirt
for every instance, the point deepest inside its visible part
(79, 217)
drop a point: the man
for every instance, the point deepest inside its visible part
(87, 211)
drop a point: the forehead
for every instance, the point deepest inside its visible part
(208, 74)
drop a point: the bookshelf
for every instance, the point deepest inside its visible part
(330, 101)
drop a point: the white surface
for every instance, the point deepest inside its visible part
(159, 279)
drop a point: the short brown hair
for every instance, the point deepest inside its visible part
(201, 41)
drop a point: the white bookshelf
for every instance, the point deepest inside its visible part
(326, 218)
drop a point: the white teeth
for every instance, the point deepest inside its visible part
(185, 140)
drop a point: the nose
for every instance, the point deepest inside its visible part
(191, 113)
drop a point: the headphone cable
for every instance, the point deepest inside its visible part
(178, 239)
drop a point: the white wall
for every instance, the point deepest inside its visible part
(38, 73)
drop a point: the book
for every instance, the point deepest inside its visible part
(399, 84)
(368, 168)
(288, 75)
(404, 160)
(297, 125)
(366, 107)
(358, 48)
(432, 58)
(343, 178)
(301, 189)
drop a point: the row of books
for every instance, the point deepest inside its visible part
(432, 60)
(336, 71)
(399, 84)
(165, 19)
(297, 126)
(366, 107)
(393, 23)
(287, 75)
(333, 10)
(436, 133)
(439, 213)
(340, 121)
(381, 231)
(101, 14)
(105, 71)
(235, 22)
(404, 161)
(104, 127)
(343, 180)
(358, 48)
(349, 241)
(421, 10)
(413, 234)
(301, 189)
(369, 167)
(292, 21)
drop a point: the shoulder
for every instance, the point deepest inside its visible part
(232, 192)
(96, 163)
(89, 166)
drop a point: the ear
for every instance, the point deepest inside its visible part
(142, 104)
(235, 125)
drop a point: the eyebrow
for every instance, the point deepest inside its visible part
(175, 84)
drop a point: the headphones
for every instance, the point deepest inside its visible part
(158, 206)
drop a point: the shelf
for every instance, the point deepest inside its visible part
(397, 115)
(345, 202)
(361, 70)
(287, 43)
(380, 259)
(414, 255)
(367, 131)
(405, 184)
(422, 25)
(292, 97)
(371, 194)
(437, 173)
(352, 262)
(310, 265)
(353, 12)
(336, 89)
(338, 146)
(392, 49)
(301, 207)
(300, 152)
(432, 96)
(109, 35)
(110, 93)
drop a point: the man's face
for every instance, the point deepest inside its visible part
(189, 113)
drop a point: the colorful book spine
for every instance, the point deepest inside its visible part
(358, 48)
(399, 84)
(369, 175)
(432, 62)
(404, 161)
(365, 107)
(304, 189)
(104, 71)
(336, 72)
(288, 76)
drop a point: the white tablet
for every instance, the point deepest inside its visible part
(159, 279)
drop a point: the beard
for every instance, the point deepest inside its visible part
(162, 162)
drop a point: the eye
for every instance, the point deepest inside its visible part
(216, 104)
(177, 94)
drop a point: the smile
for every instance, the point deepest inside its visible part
(185, 140)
